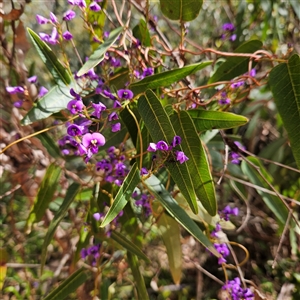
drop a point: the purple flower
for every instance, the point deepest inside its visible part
(97, 216)
(237, 84)
(125, 94)
(91, 73)
(223, 250)
(44, 36)
(95, 7)
(227, 211)
(98, 108)
(75, 106)
(74, 94)
(117, 104)
(42, 92)
(67, 35)
(81, 3)
(113, 116)
(252, 73)
(116, 127)
(18, 103)
(69, 15)
(152, 147)
(75, 130)
(32, 79)
(176, 141)
(54, 36)
(232, 38)
(83, 253)
(144, 171)
(228, 27)
(181, 157)
(41, 20)
(236, 291)
(162, 145)
(109, 95)
(53, 18)
(90, 143)
(224, 99)
(14, 89)
(148, 72)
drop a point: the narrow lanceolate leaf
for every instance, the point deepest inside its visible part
(160, 128)
(44, 196)
(208, 119)
(123, 195)
(235, 66)
(170, 204)
(69, 285)
(59, 72)
(197, 164)
(137, 275)
(99, 54)
(70, 196)
(128, 245)
(274, 203)
(166, 78)
(285, 85)
(170, 232)
(182, 10)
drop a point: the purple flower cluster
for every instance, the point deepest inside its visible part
(228, 211)
(93, 252)
(236, 291)
(21, 91)
(223, 250)
(113, 167)
(234, 156)
(163, 146)
(224, 98)
(146, 72)
(143, 200)
(227, 32)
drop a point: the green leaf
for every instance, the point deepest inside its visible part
(182, 10)
(170, 232)
(54, 101)
(129, 121)
(208, 119)
(274, 203)
(284, 80)
(128, 245)
(99, 54)
(160, 128)
(59, 72)
(138, 277)
(166, 78)
(69, 285)
(49, 144)
(44, 196)
(235, 66)
(69, 198)
(170, 204)
(197, 164)
(123, 195)
(141, 32)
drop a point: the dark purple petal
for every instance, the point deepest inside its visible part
(69, 15)
(67, 35)
(14, 89)
(125, 94)
(41, 20)
(32, 79)
(116, 127)
(162, 145)
(95, 7)
(176, 141)
(181, 157)
(43, 91)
